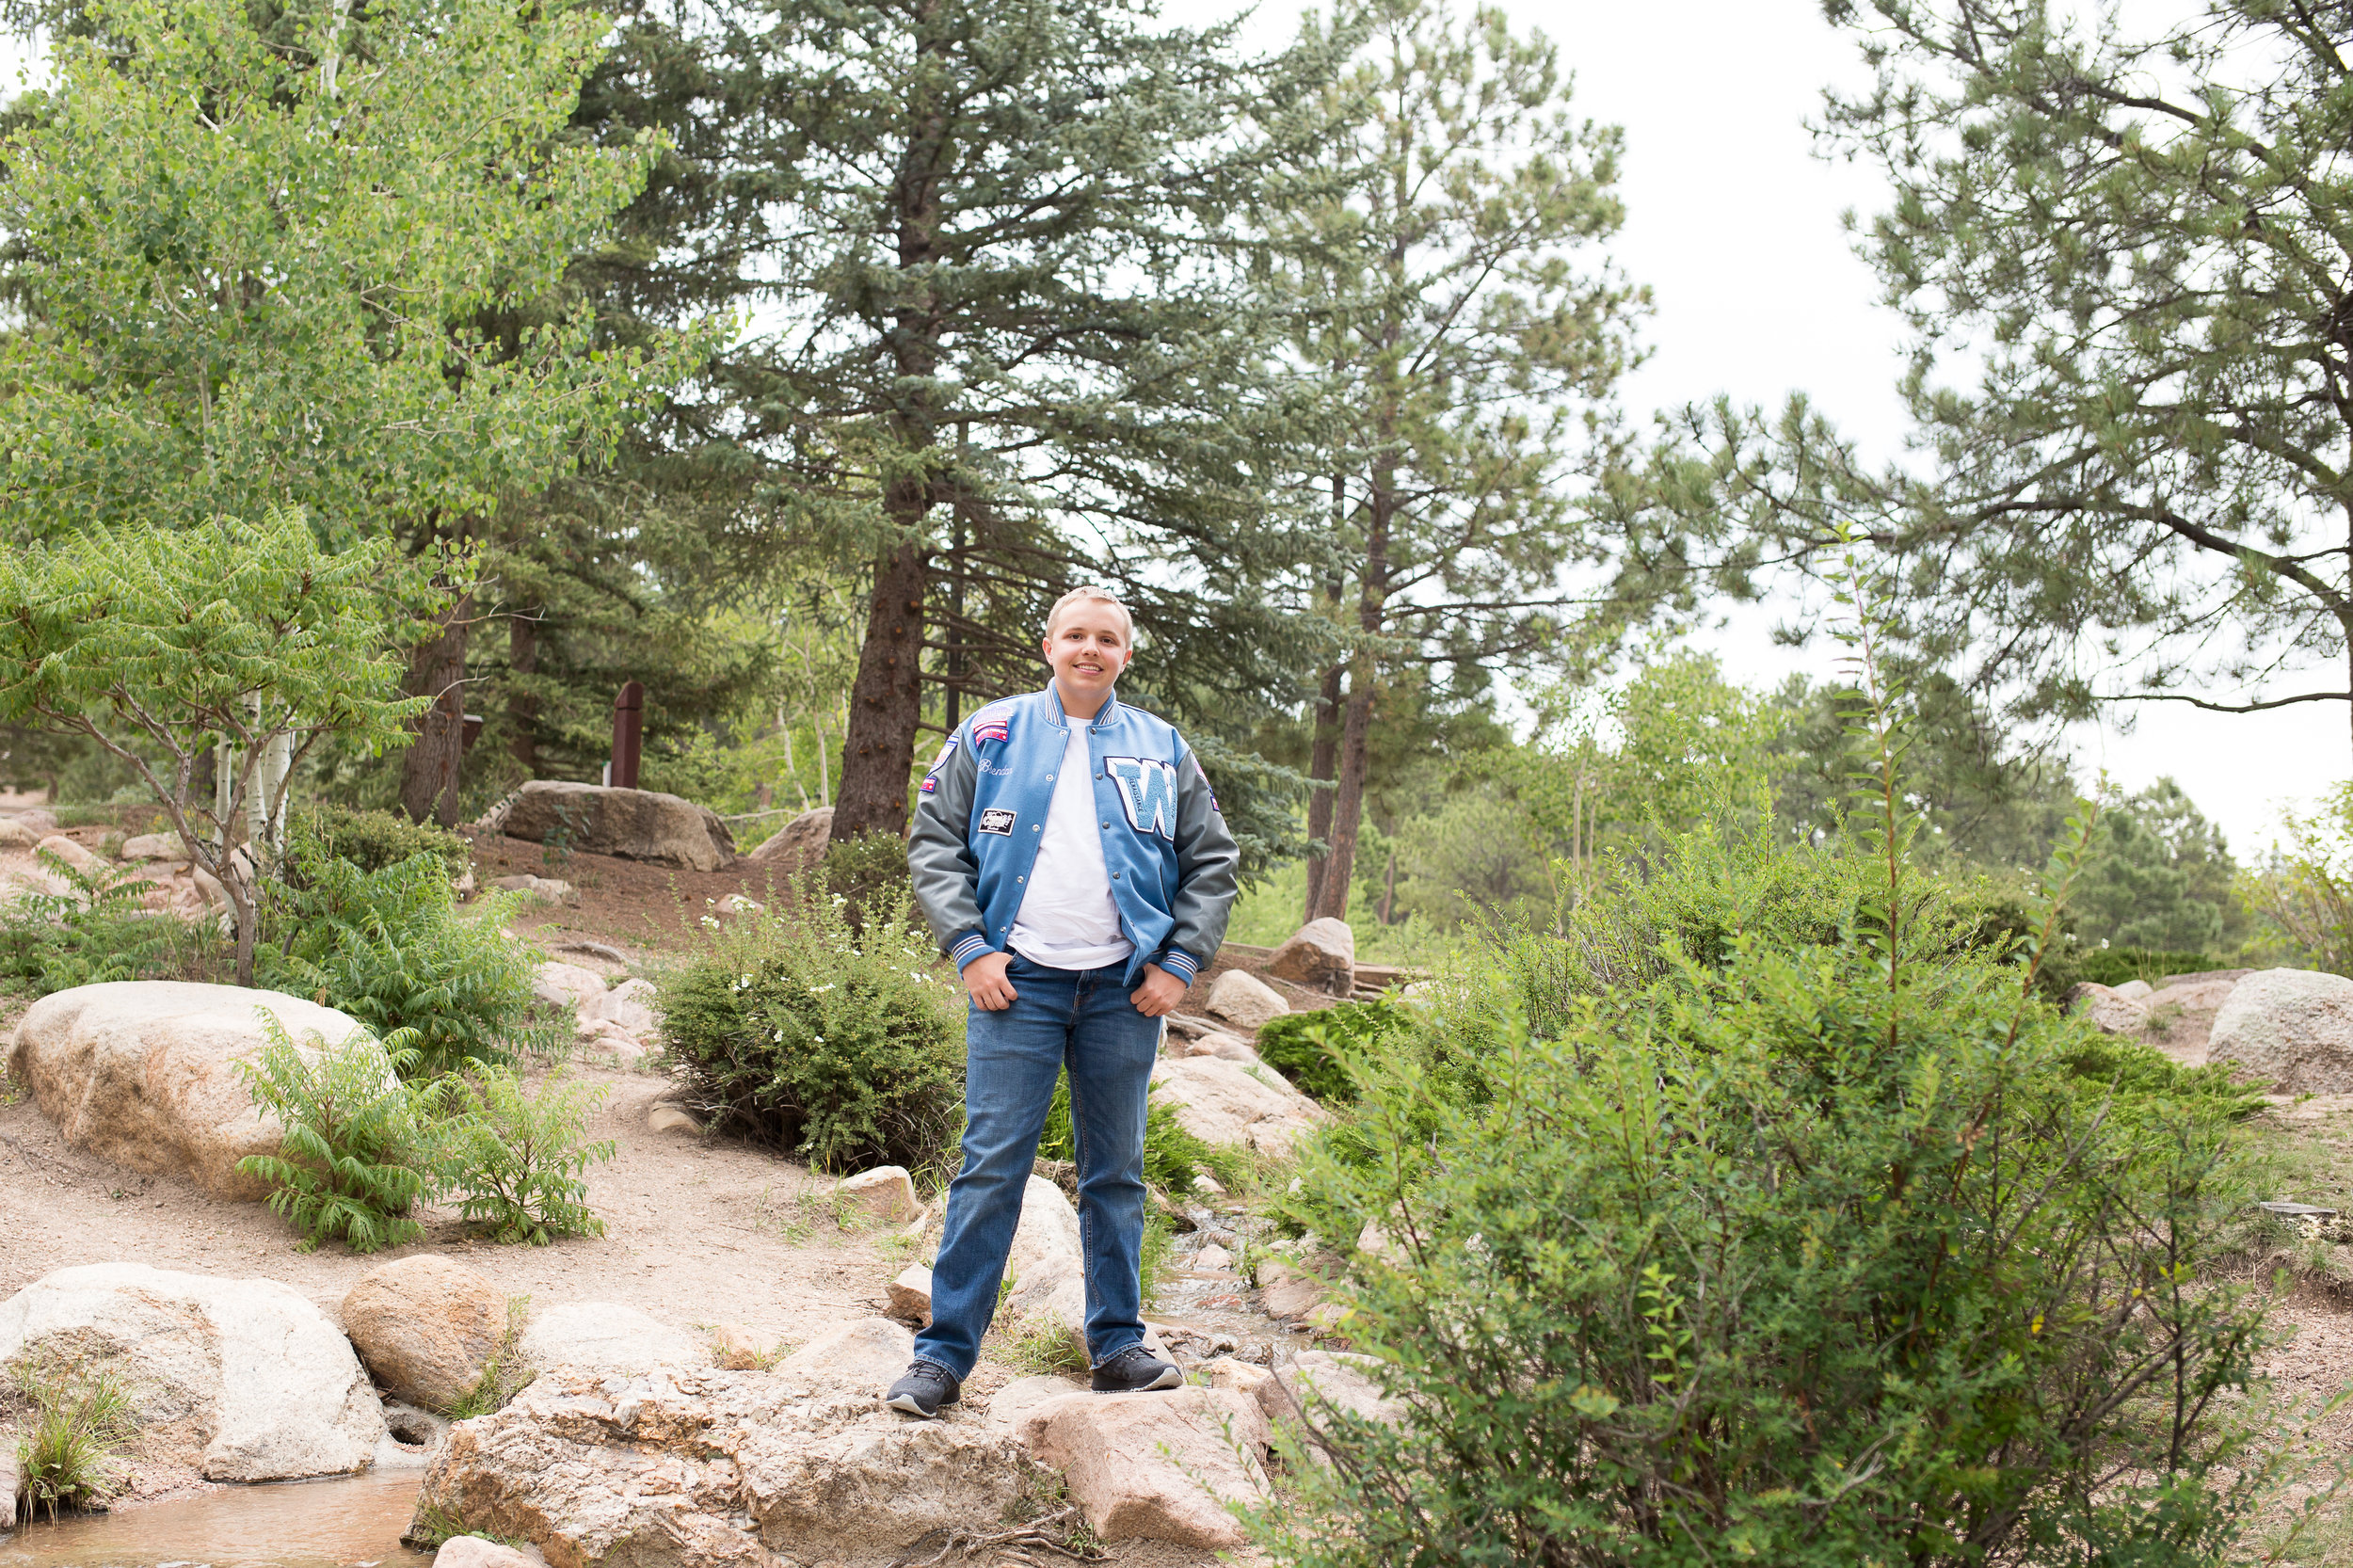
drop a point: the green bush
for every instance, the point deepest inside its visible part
(359, 1143)
(65, 1458)
(391, 948)
(371, 840)
(2121, 965)
(1311, 1048)
(1770, 1255)
(514, 1160)
(1172, 1156)
(96, 930)
(845, 1047)
(870, 872)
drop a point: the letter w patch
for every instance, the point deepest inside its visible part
(1148, 788)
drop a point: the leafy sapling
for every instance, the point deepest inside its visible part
(245, 642)
(358, 1144)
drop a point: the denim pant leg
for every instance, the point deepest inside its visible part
(1113, 1050)
(1011, 1059)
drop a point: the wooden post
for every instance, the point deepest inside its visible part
(629, 724)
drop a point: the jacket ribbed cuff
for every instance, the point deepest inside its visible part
(968, 947)
(1178, 963)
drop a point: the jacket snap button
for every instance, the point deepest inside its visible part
(1115, 876)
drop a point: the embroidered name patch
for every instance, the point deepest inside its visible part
(996, 820)
(1147, 788)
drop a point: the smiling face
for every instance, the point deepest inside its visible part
(1087, 645)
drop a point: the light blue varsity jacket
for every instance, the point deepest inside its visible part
(981, 811)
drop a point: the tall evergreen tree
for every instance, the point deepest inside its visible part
(1011, 352)
(2133, 249)
(1467, 339)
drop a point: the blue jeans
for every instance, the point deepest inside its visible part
(1081, 1019)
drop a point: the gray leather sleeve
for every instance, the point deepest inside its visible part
(1208, 867)
(941, 862)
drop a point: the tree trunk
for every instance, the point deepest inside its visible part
(437, 668)
(1322, 758)
(885, 703)
(887, 699)
(1347, 801)
(522, 708)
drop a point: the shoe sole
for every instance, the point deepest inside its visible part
(1170, 1379)
(906, 1403)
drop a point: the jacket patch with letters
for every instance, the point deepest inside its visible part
(996, 819)
(1148, 788)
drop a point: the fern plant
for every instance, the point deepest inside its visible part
(516, 1160)
(389, 947)
(358, 1147)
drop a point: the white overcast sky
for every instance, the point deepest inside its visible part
(1734, 224)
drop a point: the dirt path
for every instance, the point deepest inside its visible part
(696, 1232)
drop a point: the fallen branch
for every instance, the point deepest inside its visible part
(1032, 1534)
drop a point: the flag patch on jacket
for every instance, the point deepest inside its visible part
(931, 775)
(993, 722)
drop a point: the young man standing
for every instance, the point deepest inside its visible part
(1071, 857)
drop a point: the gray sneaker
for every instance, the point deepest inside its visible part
(924, 1389)
(1136, 1370)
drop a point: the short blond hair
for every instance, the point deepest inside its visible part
(1097, 596)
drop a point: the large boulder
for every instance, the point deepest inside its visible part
(560, 985)
(627, 1008)
(143, 1073)
(866, 1355)
(606, 1335)
(15, 833)
(81, 858)
(2110, 1011)
(1321, 1382)
(2292, 1029)
(426, 1326)
(231, 1379)
(155, 846)
(679, 1467)
(1156, 1466)
(1320, 955)
(800, 843)
(1231, 1103)
(1244, 1000)
(633, 824)
(1046, 1261)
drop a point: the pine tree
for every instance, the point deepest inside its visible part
(2125, 260)
(1467, 350)
(1015, 352)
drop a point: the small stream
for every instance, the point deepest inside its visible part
(343, 1522)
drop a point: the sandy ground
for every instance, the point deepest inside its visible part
(696, 1231)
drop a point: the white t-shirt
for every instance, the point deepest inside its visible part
(1067, 919)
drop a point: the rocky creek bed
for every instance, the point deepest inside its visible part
(705, 1369)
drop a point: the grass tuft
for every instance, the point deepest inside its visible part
(80, 1419)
